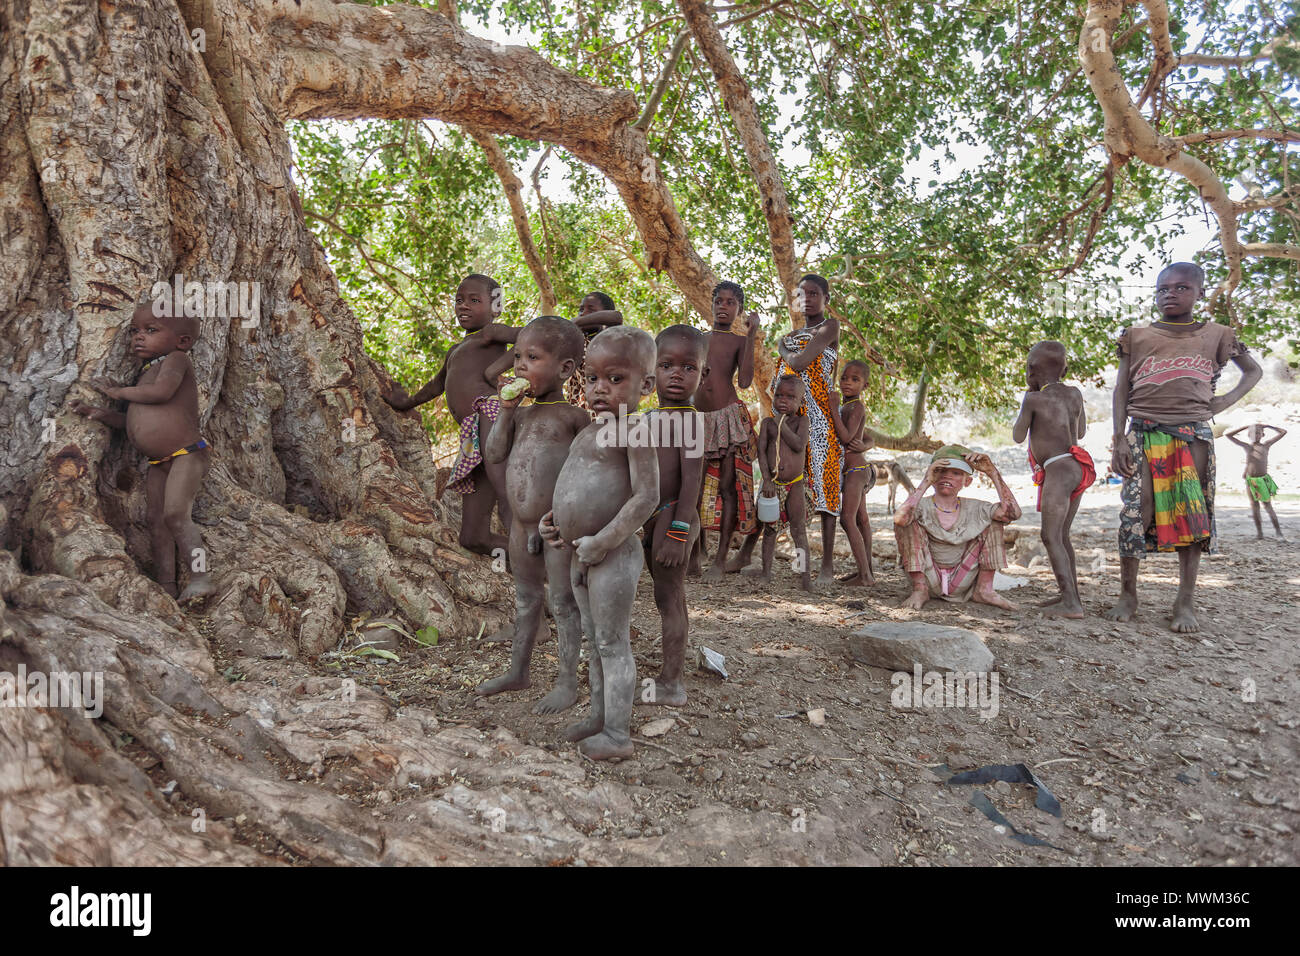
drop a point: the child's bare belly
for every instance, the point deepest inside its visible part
(465, 381)
(1256, 465)
(592, 487)
(158, 430)
(536, 458)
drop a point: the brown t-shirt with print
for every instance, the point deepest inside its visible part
(1172, 375)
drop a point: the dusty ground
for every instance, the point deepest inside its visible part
(1142, 734)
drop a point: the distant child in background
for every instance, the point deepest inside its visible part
(729, 440)
(472, 401)
(1052, 418)
(596, 312)
(675, 525)
(1260, 488)
(605, 492)
(162, 422)
(782, 450)
(534, 441)
(1163, 445)
(858, 475)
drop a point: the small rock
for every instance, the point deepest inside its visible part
(898, 645)
(657, 728)
(1235, 774)
(384, 797)
(694, 732)
(817, 717)
(696, 760)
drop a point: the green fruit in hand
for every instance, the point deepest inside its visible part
(512, 390)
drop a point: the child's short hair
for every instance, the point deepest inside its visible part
(813, 277)
(181, 324)
(489, 283)
(631, 339)
(1191, 267)
(1052, 353)
(788, 379)
(686, 333)
(605, 301)
(560, 337)
(730, 287)
(858, 364)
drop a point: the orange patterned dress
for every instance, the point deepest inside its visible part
(825, 456)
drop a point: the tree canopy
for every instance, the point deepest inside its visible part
(1033, 212)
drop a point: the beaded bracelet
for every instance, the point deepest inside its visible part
(681, 526)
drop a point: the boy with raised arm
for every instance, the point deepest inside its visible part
(672, 529)
(606, 490)
(729, 439)
(596, 312)
(782, 449)
(162, 421)
(1260, 488)
(1052, 418)
(533, 441)
(849, 424)
(473, 402)
(1163, 445)
(812, 353)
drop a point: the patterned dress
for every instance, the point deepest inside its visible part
(825, 455)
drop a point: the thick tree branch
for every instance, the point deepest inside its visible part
(661, 85)
(1279, 250)
(1214, 136)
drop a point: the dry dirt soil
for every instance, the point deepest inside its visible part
(1161, 748)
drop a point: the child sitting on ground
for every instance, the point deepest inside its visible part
(782, 450)
(673, 528)
(472, 401)
(162, 421)
(850, 418)
(1260, 488)
(1052, 418)
(533, 441)
(1164, 448)
(729, 440)
(606, 490)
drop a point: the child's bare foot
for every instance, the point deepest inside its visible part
(583, 729)
(992, 598)
(1184, 621)
(200, 586)
(507, 681)
(601, 747)
(714, 573)
(503, 636)
(1124, 610)
(1049, 602)
(915, 601)
(826, 578)
(560, 699)
(860, 580)
(1061, 609)
(735, 565)
(668, 693)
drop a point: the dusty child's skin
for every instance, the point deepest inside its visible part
(730, 363)
(1257, 467)
(680, 362)
(534, 442)
(162, 417)
(849, 430)
(1178, 288)
(604, 493)
(594, 315)
(786, 432)
(463, 377)
(1052, 417)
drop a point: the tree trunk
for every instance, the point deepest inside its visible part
(143, 140)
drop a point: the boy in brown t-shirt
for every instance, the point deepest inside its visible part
(1163, 446)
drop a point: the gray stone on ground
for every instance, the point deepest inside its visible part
(898, 645)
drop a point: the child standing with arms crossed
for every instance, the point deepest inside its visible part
(605, 491)
(1052, 418)
(1163, 445)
